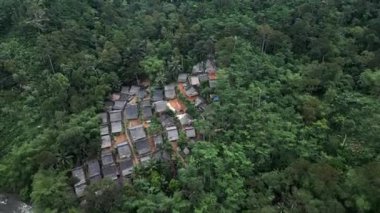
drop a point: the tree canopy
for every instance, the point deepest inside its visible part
(296, 128)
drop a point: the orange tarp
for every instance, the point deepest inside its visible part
(177, 105)
(181, 88)
(120, 139)
(133, 123)
(212, 75)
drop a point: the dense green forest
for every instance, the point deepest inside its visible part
(297, 128)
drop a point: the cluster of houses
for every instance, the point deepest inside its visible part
(125, 137)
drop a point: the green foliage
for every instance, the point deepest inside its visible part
(296, 128)
(51, 192)
(102, 196)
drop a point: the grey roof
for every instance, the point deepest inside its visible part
(158, 95)
(108, 105)
(110, 171)
(142, 146)
(124, 97)
(95, 178)
(166, 120)
(199, 101)
(160, 106)
(210, 66)
(93, 169)
(104, 130)
(161, 155)
(158, 140)
(194, 80)
(145, 103)
(79, 189)
(115, 96)
(103, 117)
(191, 91)
(190, 132)
(107, 157)
(131, 112)
(137, 132)
(172, 133)
(145, 160)
(198, 68)
(203, 77)
(126, 167)
(124, 150)
(78, 173)
(134, 90)
(119, 105)
(170, 91)
(147, 113)
(184, 119)
(116, 127)
(115, 115)
(106, 141)
(182, 78)
(212, 83)
(142, 93)
(125, 90)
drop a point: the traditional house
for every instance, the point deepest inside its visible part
(145, 160)
(182, 78)
(78, 174)
(198, 68)
(104, 118)
(158, 95)
(110, 171)
(115, 96)
(142, 146)
(170, 91)
(80, 185)
(108, 105)
(203, 77)
(191, 92)
(116, 127)
(200, 103)
(158, 141)
(124, 97)
(124, 90)
(115, 115)
(172, 133)
(184, 119)
(194, 81)
(106, 142)
(210, 66)
(93, 171)
(79, 189)
(131, 112)
(104, 129)
(141, 94)
(107, 157)
(119, 105)
(176, 106)
(123, 150)
(190, 132)
(161, 155)
(166, 120)
(134, 90)
(137, 132)
(212, 83)
(146, 109)
(126, 167)
(160, 106)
